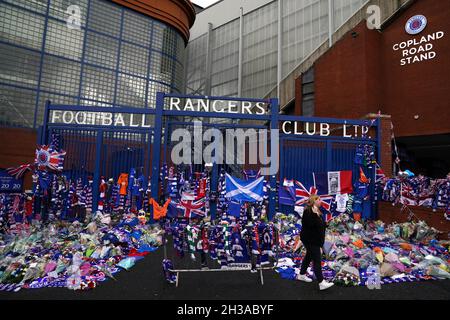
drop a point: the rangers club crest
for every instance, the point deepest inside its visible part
(46, 157)
(416, 24)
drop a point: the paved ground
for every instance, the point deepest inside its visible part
(145, 281)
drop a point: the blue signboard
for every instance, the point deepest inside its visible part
(9, 184)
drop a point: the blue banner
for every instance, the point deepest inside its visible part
(9, 184)
(244, 190)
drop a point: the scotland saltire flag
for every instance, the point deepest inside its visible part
(244, 190)
(334, 182)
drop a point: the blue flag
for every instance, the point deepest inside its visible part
(234, 209)
(244, 190)
(286, 193)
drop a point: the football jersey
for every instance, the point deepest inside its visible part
(123, 183)
(341, 202)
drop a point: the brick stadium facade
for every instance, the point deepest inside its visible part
(363, 74)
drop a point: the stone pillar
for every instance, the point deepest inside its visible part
(298, 96)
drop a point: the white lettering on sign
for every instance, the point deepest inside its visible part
(80, 117)
(131, 121)
(189, 106)
(345, 135)
(225, 106)
(106, 119)
(100, 119)
(418, 50)
(320, 128)
(66, 119)
(233, 107)
(324, 129)
(246, 107)
(260, 108)
(56, 115)
(143, 122)
(175, 102)
(118, 120)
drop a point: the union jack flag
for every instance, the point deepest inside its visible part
(380, 176)
(19, 171)
(407, 196)
(193, 209)
(328, 216)
(302, 195)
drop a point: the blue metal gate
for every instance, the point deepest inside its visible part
(95, 150)
(301, 157)
(108, 150)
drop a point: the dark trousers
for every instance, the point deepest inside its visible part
(313, 254)
(203, 258)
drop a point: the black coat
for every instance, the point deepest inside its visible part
(313, 228)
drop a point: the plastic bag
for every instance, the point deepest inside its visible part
(127, 263)
(387, 270)
(434, 260)
(437, 272)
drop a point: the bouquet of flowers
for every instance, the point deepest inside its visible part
(347, 276)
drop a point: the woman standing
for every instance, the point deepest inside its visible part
(313, 238)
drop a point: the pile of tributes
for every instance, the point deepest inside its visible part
(411, 190)
(240, 235)
(71, 254)
(402, 252)
(228, 241)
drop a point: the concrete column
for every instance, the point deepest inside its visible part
(279, 53)
(208, 61)
(240, 52)
(330, 22)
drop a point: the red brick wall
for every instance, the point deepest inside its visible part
(298, 109)
(386, 146)
(421, 88)
(362, 74)
(17, 147)
(347, 77)
(389, 214)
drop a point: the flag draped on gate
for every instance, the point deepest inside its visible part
(18, 172)
(244, 190)
(234, 209)
(407, 196)
(302, 195)
(333, 182)
(193, 209)
(47, 157)
(286, 193)
(379, 176)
